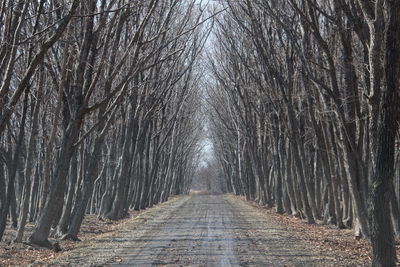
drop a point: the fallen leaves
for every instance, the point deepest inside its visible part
(23, 254)
(325, 238)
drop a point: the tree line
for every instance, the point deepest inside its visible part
(305, 111)
(98, 109)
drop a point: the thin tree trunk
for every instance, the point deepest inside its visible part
(29, 171)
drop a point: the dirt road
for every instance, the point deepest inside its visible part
(197, 230)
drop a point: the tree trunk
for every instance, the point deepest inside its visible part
(63, 224)
(29, 170)
(382, 237)
(56, 194)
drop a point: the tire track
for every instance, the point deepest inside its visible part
(197, 230)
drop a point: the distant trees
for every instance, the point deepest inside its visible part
(99, 109)
(301, 89)
(208, 177)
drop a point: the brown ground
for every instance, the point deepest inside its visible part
(24, 254)
(201, 230)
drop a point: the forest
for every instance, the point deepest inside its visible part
(305, 103)
(98, 109)
(105, 106)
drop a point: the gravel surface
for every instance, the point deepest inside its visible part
(197, 230)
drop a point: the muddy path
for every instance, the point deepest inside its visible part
(197, 230)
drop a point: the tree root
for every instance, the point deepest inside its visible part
(70, 237)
